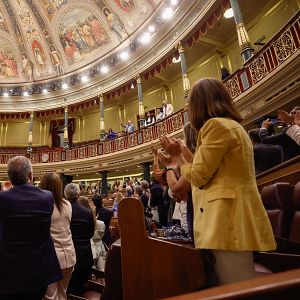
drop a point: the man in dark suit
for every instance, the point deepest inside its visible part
(82, 228)
(104, 215)
(28, 262)
(290, 148)
(265, 156)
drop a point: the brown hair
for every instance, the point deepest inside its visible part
(190, 137)
(84, 201)
(209, 99)
(52, 183)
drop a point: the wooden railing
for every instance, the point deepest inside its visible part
(280, 48)
(171, 124)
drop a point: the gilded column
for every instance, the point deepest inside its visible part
(186, 81)
(243, 37)
(66, 137)
(29, 147)
(140, 96)
(102, 124)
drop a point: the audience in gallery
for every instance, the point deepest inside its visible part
(111, 134)
(290, 148)
(149, 119)
(82, 228)
(224, 73)
(129, 127)
(61, 236)
(28, 268)
(159, 114)
(220, 197)
(167, 109)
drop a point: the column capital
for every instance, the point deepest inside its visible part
(138, 79)
(101, 98)
(179, 47)
(66, 108)
(31, 114)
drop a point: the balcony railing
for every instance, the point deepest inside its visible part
(281, 47)
(171, 124)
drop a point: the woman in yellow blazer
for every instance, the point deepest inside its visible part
(229, 217)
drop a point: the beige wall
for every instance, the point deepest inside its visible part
(267, 23)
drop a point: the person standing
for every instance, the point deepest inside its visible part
(229, 217)
(167, 109)
(129, 127)
(61, 236)
(82, 228)
(28, 261)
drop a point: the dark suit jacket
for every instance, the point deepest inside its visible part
(266, 157)
(82, 228)
(289, 147)
(27, 256)
(105, 215)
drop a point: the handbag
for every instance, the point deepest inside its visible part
(102, 254)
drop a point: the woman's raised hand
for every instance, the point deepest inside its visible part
(171, 146)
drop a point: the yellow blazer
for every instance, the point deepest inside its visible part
(228, 210)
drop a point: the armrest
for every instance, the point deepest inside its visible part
(278, 262)
(287, 246)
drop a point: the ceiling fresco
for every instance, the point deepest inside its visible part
(41, 39)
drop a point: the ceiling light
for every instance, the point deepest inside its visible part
(5, 94)
(151, 28)
(84, 78)
(45, 91)
(167, 13)
(146, 37)
(25, 94)
(174, 2)
(104, 69)
(228, 13)
(124, 55)
(64, 86)
(176, 60)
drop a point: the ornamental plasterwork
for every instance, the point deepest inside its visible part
(232, 85)
(284, 46)
(187, 16)
(258, 68)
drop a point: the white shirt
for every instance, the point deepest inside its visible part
(168, 110)
(294, 133)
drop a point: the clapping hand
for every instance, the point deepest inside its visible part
(171, 146)
(285, 117)
(165, 159)
(266, 124)
(154, 150)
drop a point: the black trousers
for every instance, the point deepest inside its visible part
(79, 277)
(33, 295)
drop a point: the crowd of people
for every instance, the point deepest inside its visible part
(206, 188)
(149, 119)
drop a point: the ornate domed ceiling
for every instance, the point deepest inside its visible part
(41, 39)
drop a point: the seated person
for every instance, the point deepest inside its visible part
(111, 134)
(159, 114)
(293, 120)
(289, 146)
(265, 156)
(149, 119)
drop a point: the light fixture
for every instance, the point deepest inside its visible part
(174, 2)
(45, 91)
(124, 55)
(151, 28)
(176, 60)
(167, 13)
(25, 94)
(145, 38)
(84, 78)
(132, 86)
(64, 86)
(104, 69)
(228, 13)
